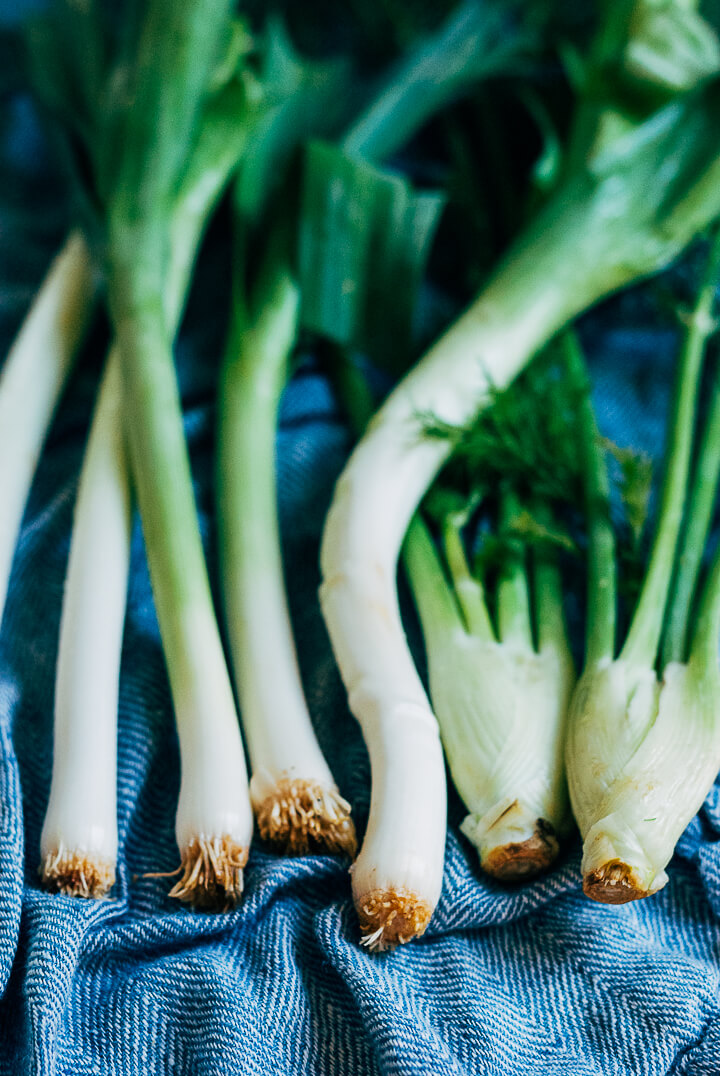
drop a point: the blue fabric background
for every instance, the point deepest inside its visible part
(504, 982)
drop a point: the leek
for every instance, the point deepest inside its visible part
(33, 377)
(297, 804)
(79, 838)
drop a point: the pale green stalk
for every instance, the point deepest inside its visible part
(296, 801)
(178, 46)
(471, 44)
(79, 838)
(32, 379)
(514, 624)
(646, 626)
(601, 565)
(468, 589)
(698, 519)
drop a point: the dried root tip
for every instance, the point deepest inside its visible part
(212, 874)
(391, 917)
(524, 859)
(613, 883)
(301, 816)
(73, 874)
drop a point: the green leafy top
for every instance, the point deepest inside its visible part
(128, 95)
(635, 487)
(526, 437)
(300, 99)
(365, 236)
(644, 55)
(529, 440)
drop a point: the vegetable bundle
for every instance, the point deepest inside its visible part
(160, 113)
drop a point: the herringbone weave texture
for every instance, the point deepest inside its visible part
(536, 980)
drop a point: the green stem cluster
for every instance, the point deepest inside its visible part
(669, 588)
(646, 626)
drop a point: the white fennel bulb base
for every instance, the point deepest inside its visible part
(514, 843)
(502, 713)
(633, 804)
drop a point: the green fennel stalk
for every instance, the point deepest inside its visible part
(698, 518)
(646, 627)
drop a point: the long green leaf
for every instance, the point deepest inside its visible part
(365, 236)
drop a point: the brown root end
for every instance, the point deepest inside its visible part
(75, 875)
(525, 859)
(613, 883)
(212, 874)
(391, 917)
(299, 817)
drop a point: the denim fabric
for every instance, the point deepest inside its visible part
(504, 983)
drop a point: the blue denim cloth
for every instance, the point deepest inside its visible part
(504, 983)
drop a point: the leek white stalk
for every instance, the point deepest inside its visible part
(79, 837)
(33, 377)
(501, 702)
(297, 804)
(94, 600)
(214, 821)
(600, 231)
(642, 749)
(177, 50)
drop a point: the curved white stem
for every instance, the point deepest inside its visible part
(552, 275)
(79, 837)
(31, 381)
(374, 500)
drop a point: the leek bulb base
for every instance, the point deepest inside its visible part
(299, 816)
(391, 917)
(77, 872)
(211, 873)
